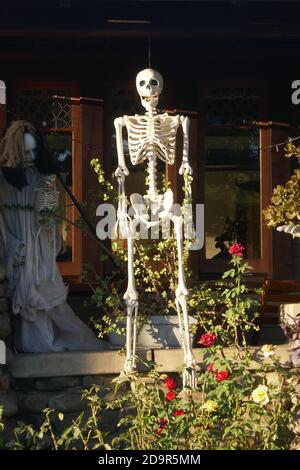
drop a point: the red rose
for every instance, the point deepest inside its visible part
(210, 368)
(170, 396)
(170, 383)
(237, 249)
(179, 413)
(222, 375)
(157, 431)
(208, 339)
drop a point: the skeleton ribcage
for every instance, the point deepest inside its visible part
(46, 199)
(152, 136)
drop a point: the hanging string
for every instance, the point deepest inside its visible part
(149, 52)
(281, 144)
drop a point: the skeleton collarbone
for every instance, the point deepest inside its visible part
(152, 136)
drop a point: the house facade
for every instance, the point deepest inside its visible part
(69, 67)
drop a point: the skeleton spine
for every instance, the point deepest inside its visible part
(152, 176)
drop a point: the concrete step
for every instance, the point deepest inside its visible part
(62, 364)
(112, 362)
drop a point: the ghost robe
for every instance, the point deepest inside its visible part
(45, 322)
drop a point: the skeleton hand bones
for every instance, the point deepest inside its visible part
(185, 169)
(121, 172)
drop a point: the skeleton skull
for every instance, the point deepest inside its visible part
(149, 85)
(30, 149)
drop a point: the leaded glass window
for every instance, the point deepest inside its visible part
(45, 108)
(231, 106)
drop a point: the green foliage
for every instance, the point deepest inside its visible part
(292, 151)
(83, 433)
(285, 204)
(285, 201)
(227, 307)
(221, 414)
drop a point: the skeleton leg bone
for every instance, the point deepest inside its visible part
(131, 299)
(189, 373)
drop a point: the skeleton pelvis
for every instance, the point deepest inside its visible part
(146, 209)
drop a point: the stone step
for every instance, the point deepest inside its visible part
(62, 364)
(171, 360)
(111, 362)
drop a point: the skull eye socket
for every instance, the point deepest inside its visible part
(142, 82)
(154, 82)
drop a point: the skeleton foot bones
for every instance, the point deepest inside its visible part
(152, 137)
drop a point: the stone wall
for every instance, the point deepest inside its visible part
(25, 399)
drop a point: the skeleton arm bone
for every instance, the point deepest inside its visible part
(122, 169)
(123, 220)
(185, 169)
(185, 166)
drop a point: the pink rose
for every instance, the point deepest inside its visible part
(237, 249)
(208, 339)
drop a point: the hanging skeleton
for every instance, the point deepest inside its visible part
(150, 137)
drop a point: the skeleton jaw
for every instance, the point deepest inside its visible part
(149, 102)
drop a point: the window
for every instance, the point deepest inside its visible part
(232, 171)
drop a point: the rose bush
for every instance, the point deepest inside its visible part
(243, 410)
